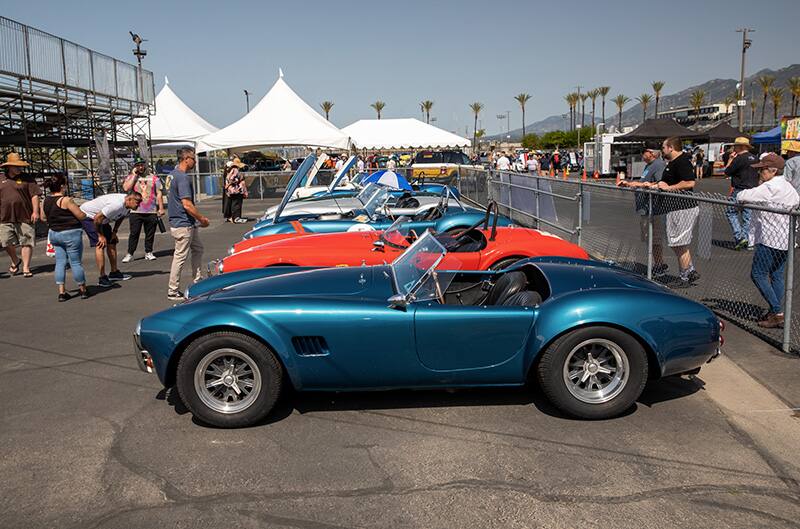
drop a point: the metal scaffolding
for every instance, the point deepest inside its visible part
(70, 109)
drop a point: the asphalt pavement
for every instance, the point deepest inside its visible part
(91, 441)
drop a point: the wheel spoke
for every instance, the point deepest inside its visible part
(585, 376)
(213, 383)
(605, 370)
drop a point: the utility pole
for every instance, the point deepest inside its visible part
(576, 107)
(247, 100)
(740, 104)
(140, 54)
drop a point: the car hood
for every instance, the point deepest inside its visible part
(354, 282)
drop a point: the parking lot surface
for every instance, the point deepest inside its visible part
(91, 441)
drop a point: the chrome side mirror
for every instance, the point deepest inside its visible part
(398, 302)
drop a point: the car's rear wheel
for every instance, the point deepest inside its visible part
(229, 380)
(594, 372)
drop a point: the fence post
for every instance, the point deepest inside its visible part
(510, 202)
(579, 228)
(261, 185)
(538, 224)
(789, 287)
(650, 236)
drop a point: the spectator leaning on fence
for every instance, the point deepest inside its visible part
(740, 170)
(651, 175)
(771, 234)
(149, 186)
(19, 211)
(100, 213)
(184, 219)
(681, 212)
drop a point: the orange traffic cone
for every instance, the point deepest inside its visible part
(583, 176)
(596, 175)
(552, 173)
(566, 173)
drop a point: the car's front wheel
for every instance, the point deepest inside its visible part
(229, 380)
(594, 372)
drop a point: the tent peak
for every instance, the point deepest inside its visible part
(166, 80)
(280, 73)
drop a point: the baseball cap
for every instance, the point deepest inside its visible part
(771, 160)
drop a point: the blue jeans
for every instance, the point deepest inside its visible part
(767, 273)
(740, 229)
(69, 247)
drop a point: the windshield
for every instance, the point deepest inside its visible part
(397, 234)
(372, 197)
(415, 273)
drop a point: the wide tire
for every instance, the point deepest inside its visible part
(229, 380)
(594, 372)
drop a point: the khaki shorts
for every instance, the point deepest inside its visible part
(17, 234)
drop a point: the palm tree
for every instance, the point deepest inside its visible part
(522, 99)
(593, 96)
(476, 109)
(327, 106)
(776, 94)
(378, 106)
(765, 81)
(568, 101)
(794, 89)
(753, 106)
(644, 99)
(583, 97)
(728, 101)
(427, 105)
(621, 100)
(572, 100)
(696, 100)
(658, 86)
(603, 91)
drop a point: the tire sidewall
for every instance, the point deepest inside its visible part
(269, 367)
(550, 373)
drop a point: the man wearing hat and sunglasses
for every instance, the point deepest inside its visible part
(743, 176)
(771, 234)
(19, 211)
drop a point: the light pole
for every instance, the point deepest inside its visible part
(140, 54)
(740, 104)
(247, 100)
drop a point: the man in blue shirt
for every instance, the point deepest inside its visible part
(184, 220)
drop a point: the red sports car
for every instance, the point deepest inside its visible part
(477, 248)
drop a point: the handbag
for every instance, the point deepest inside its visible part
(160, 223)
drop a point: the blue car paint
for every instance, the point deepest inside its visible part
(451, 220)
(372, 346)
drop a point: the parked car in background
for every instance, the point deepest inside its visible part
(438, 164)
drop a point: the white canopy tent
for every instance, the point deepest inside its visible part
(406, 133)
(281, 118)
(174, 121)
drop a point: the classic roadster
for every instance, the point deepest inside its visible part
(590, 334)
(478, 247)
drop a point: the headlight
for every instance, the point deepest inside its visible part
(231, 250)
(186, 293)
(220, 267)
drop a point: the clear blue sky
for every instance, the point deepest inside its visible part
(453, 53)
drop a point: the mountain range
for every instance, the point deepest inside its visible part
(716, 90)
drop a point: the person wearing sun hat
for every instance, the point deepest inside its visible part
(743, 176)
(771, 234)
(235, 191)
(19, 212)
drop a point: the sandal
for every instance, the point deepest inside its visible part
(27, 274)
(13, 269)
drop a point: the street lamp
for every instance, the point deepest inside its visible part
(247, 100)
(140, 54)
(740, 104)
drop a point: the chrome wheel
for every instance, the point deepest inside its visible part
(227, 381)
(596, 371)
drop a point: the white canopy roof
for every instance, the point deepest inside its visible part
(281, 118)
(407, 133)
(174, 121)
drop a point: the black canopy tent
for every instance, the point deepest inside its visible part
(657, 130)
(721, 132)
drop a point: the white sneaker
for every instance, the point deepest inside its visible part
(149, 256)
(128, 258)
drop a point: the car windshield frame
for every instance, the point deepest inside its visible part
(373, 197)
(397, 226)
(411, 281)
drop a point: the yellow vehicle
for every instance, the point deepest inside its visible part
(405, 160)
(438, 165)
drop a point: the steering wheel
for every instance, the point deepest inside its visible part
(434, 213)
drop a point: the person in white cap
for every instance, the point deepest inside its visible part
(771, 234)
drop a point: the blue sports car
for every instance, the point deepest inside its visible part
(592, 335)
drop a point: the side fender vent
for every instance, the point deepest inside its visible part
(310, 346)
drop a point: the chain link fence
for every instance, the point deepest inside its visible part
(658, 234)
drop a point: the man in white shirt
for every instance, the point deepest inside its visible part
(503, 163)
(771, 234)
(360, 165)
(339, 163)
(391, 164)
(100, 212)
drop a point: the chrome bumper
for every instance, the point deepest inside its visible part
(143, 358)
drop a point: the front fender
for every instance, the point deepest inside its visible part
(164, 334)
(681, 333)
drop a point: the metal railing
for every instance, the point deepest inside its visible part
(32, 54)
(635, 229)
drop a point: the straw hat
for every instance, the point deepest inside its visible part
(15, 160)
(236, 162)
(741, 140)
